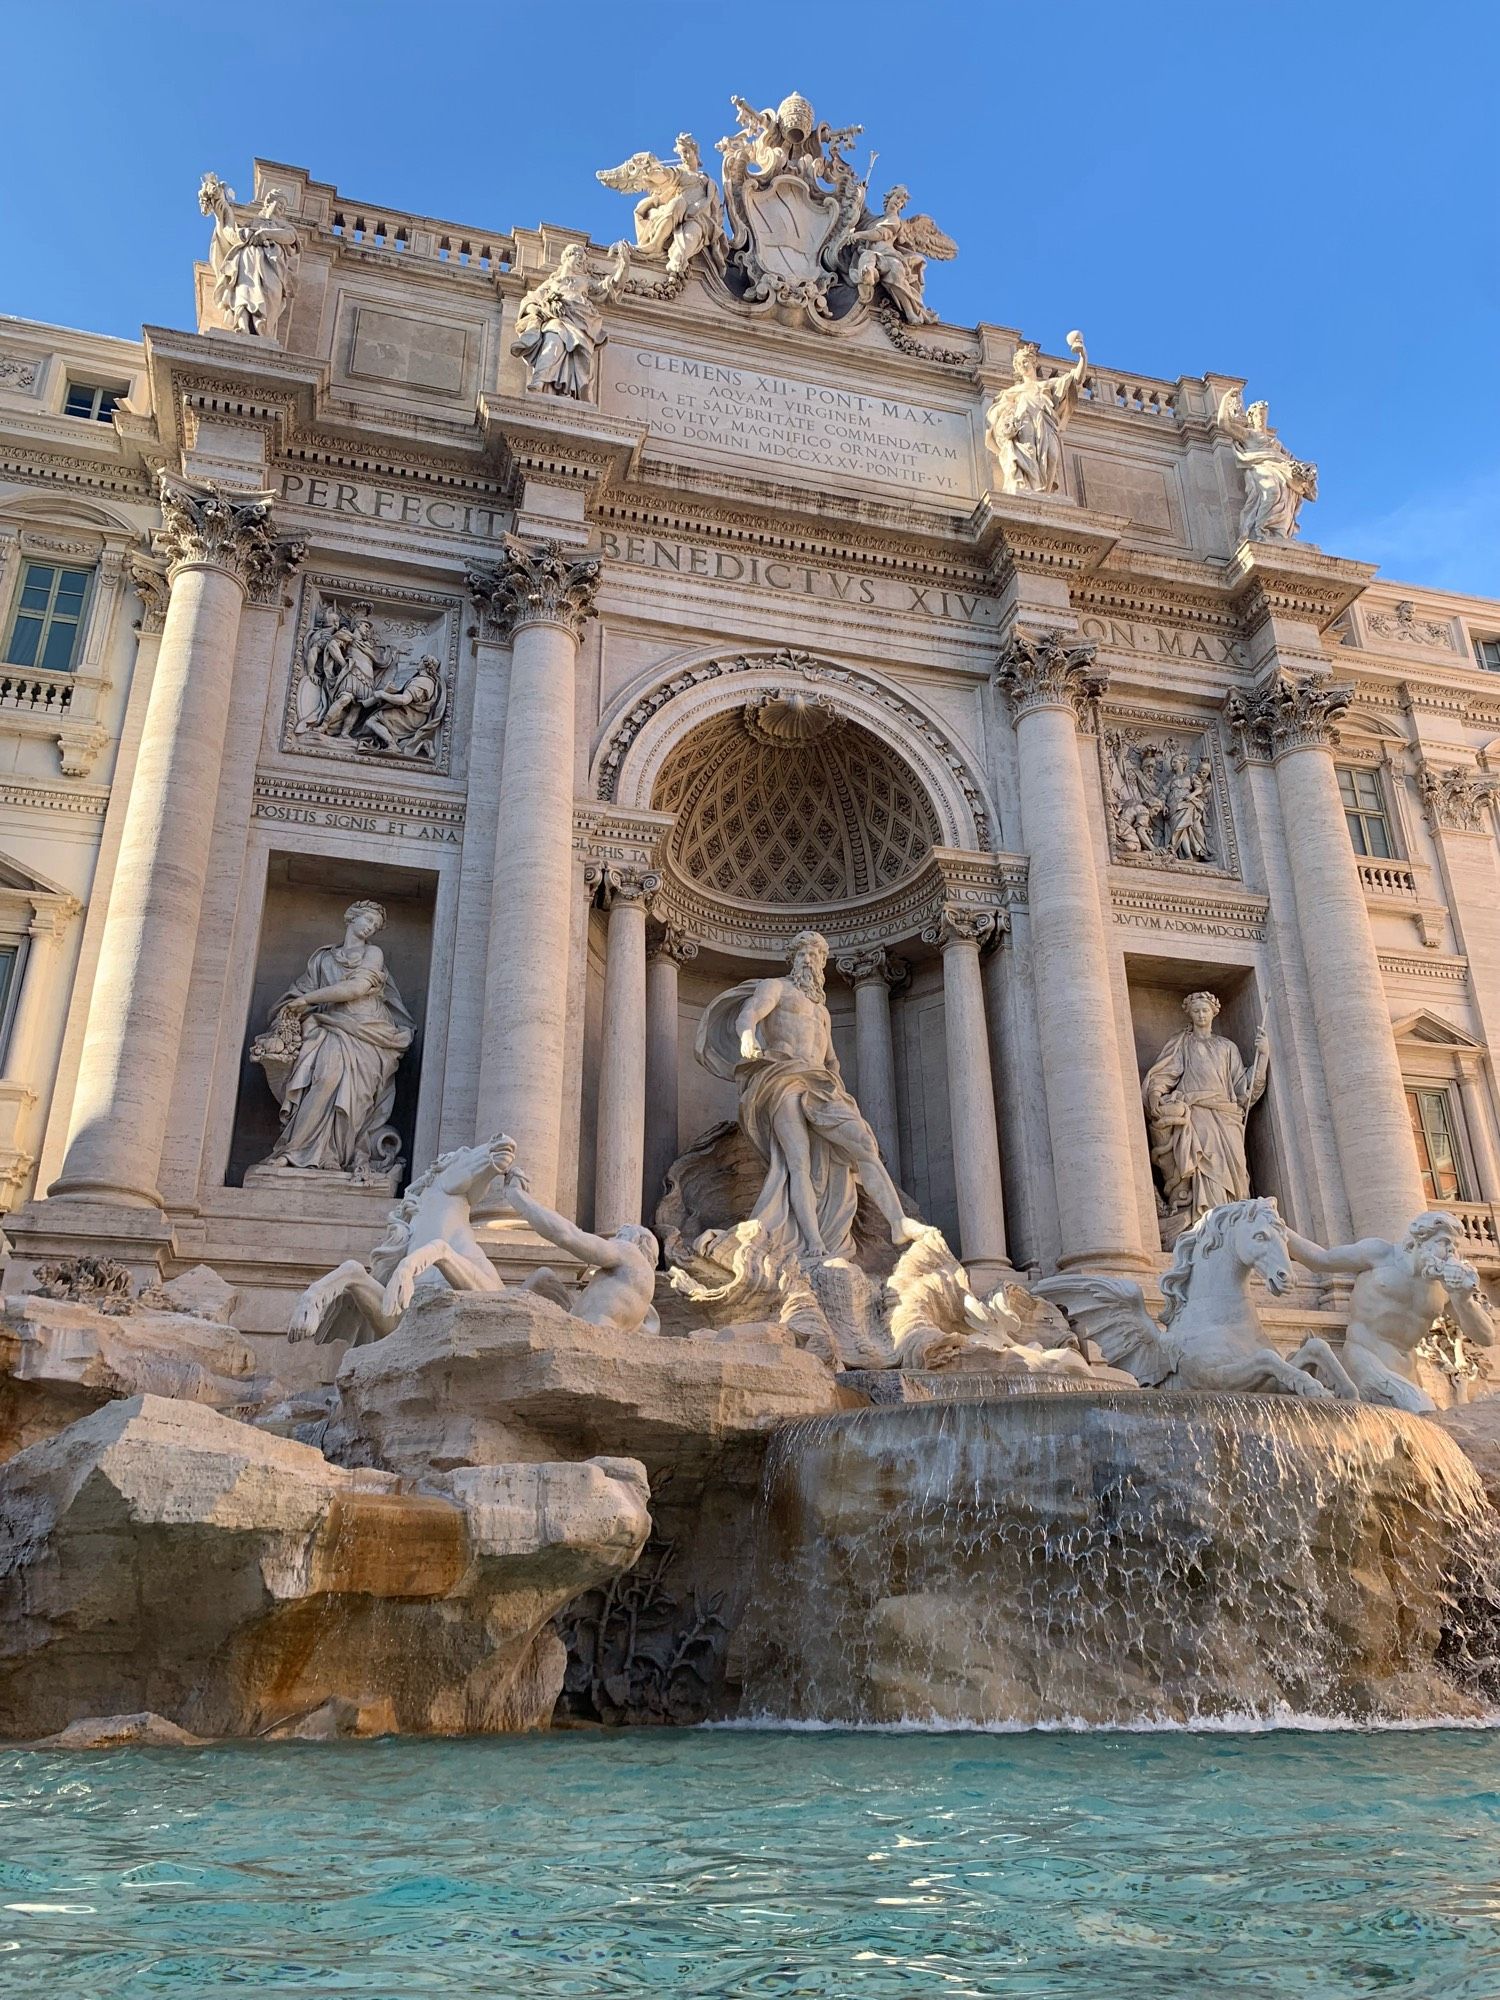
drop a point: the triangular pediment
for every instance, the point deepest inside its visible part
(1434, 1031)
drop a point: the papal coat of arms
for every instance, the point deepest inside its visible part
(802, 237)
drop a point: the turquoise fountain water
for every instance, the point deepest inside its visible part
(735, 1863)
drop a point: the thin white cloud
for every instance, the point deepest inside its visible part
(1448, 538)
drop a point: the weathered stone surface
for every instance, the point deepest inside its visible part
(157, 1556)
(203, 1293)
(60, 1359)
(1475, 1429)
(474, 1379)
(112, 1732)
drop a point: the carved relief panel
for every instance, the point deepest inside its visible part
(373, 672)
(1166, 799)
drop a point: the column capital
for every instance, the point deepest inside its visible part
(666, 940)
(1043, 670)
(613, 883)
(1454, 799)
(872, 963)
(154, 591)
(960, 923)
(209, 526)
(1286, 712)
(537, 583)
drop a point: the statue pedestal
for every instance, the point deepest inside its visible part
(298, 1180)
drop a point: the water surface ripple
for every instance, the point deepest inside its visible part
(747, 1863)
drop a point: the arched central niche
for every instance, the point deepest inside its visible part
(786, 801)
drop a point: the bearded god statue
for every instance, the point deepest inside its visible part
(774, 1039)
(1198, 1094)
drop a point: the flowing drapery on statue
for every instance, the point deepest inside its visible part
(1198, 1094)
(773, 1039)
(336, 1037)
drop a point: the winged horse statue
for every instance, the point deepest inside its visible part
(1209, 1335)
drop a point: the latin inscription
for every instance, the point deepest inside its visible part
(1164, 642)
(832, 586)
(384, 503)
(792, 422)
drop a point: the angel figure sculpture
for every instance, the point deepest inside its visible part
(1025, 423)
(891, 250)
(680, 215)
(559, 329)
(1276, 484)
(1209, 1335)
(254, 264)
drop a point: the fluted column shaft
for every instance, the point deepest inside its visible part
(621, 1140)
(666, 949)
(542, 597)
(1295, 721)
(1099, 1221)
(218, 546)
(872, 974)
(971, 1095)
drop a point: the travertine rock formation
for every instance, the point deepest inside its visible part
(158, 1556)
(60, 1359)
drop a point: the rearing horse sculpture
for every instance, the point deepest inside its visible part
(1209, 1335)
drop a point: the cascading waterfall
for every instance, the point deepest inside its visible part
(1109, 1558)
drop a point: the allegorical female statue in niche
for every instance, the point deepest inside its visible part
(1198, 1094)
(331, 1053)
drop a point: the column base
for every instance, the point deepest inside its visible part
(142, 1239)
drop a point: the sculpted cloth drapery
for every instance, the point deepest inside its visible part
(337, 1101)
(837, 1132)
(1197, 1094)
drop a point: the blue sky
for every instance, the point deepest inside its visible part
(1305, 195)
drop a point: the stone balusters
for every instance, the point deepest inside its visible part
(667, 948)
(1292, 721)
(621, 1142)
(959, 933)
(541, 595)
(218, 548)
(1051, 684)
(873, 972)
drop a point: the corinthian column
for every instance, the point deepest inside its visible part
(621, 1142)
(1050, 684)
(1293, 721)
(872, 973)
(541, 597)
(666, 949)
(218, 547)
(971, 1093)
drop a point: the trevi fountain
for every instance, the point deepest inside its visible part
(776, 1084)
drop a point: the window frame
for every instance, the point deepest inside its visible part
(1417, 1088)
(19, 942)
(97, 391)
(18, 611)
(1354, 810)
(1480, 643)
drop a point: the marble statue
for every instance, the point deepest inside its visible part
(1276, 484)
(254, 263)
(622, 1268)
(1400, 1290)
(559, 329)
(1025, 423)
(330, 1055)
(429, 1231)
(1198, 1094)
(773, 1038)
(680, 215)
(890, 251)
(349, 687)
(1209, 1335)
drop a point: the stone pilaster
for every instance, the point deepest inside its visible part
(620, 1160)
(667, 948)
(217, 548)
(1292, 720)
(960, 932)
(540, 595)
(873, 973)
(1052, 684)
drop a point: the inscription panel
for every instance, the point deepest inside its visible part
(792, 422)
